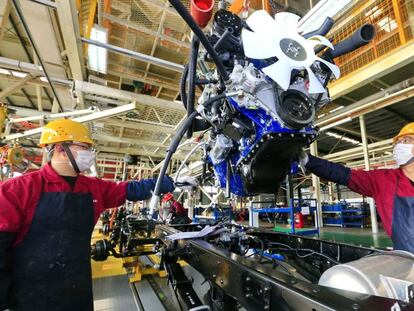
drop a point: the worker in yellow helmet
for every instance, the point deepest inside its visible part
(392, 189)
(46, 221)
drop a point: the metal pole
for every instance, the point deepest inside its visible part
(316, 183)
(136, 55)
(29, 35)
(374, 223)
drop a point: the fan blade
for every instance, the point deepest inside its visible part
(287, 20)
(260, 21)
(319, 40)
(257, 45)
(279, 72)
(315, 86)
(334, 68)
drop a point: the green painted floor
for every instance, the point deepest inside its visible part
(355, 236)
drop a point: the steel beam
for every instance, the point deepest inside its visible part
(394, 94)
(84, 119)
(69, 25)
(136, 26)
(15, 86)
(147, 100)
(34, 46)
(374, 223)
(131, 141)
(5, 6)
(316, 183)
(136, 55)
(141, 126)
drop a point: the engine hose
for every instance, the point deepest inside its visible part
(223, 38)
(185, 15)
(192, 75)
(321, 31)
(171, 150)
(198, 125)
(183, 85)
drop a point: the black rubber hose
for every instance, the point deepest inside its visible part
(223, 38)
(321, 31)
(183, 86)
(185, 15)
(172, 149)
(192, 76)
(198, 125)
(176, 140)
(361, 37)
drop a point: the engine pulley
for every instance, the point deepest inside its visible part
(295, 109)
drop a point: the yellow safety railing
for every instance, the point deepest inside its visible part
(394, 24)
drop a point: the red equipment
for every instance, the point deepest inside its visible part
(201, 11)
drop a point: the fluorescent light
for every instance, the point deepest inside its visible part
(4, 71)
(350, 140)
(19, 74)
(97, 56)
(336, 109)
(44, 79)
(339, 122)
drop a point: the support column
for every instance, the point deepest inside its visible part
(373, 211)
(316, 183)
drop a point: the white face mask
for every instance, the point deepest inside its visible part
(85, 159)
(403, 153)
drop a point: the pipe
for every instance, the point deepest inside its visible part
(361, 37)
(203, 39)
(223, 38)
(136, 55)
(171, 150)
(192, 72)
(39, 57)
(323, 30)
(201, 11)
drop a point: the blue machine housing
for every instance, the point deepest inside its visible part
(260, 165)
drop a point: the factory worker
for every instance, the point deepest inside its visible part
(46, 222)
(177, 213)
(392, 189)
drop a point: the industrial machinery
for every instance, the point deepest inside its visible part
(258, 107)
(130, 233)
(259, 102)
(261, 270)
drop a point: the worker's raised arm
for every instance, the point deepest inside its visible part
(359, 181)
(115, 194)
(142, 190)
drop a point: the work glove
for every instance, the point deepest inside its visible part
(187, 182)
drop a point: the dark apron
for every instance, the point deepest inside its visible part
(51, 267)
(403, 222)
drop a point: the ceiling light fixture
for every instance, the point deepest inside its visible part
(97, 56)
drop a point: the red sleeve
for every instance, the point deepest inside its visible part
(114, 194)
(365, 182)
(11, 205)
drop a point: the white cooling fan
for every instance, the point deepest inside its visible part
(279, 38)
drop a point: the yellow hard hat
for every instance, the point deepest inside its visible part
(406, 130)
(64, 130)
